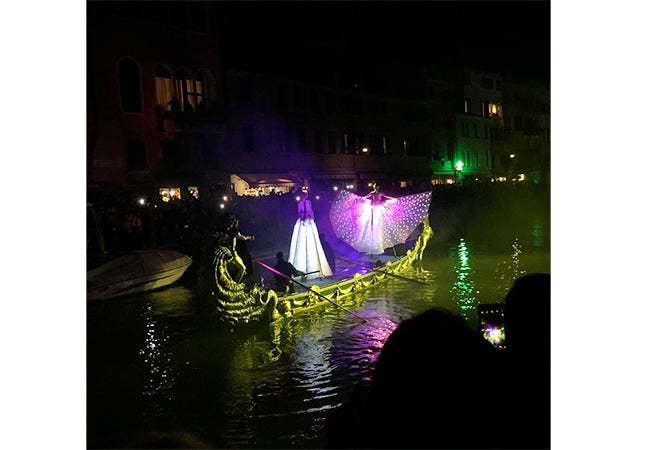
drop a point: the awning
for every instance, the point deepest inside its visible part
(266, 179)
(338, 175)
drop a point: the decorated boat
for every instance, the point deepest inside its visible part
(237, 302)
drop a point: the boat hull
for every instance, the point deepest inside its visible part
(138, 271)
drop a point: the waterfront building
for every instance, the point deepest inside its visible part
(468, 122)
(166, 118)
(528, 133)
(155, 104)
(487, 129)
(283, 129)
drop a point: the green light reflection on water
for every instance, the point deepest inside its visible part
(463, 288)
(538, 233)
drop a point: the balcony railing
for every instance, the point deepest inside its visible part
(189, 123)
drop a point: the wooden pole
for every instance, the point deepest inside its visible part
(308, 288)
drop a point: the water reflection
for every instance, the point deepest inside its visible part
(508, 271)
(538, 233)
(159, 308)
(278, 371)
(242, 381)
(311, 361)
(273, 385)
(171, 302)
(300, 368)
(462, 291)
(365, 341)
(156, 357)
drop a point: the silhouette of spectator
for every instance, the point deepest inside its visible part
(160, 440)
(282, 284)
(436, 384)
(136, 229)
(175, 104)
(188, 105)
(528, 350)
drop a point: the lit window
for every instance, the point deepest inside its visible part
(193, 191)
(495, 110)
(191, 91)
(164, 90)
(170, 193)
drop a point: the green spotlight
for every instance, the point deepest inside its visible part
(459, 165)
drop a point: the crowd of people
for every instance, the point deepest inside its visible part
(180, 222)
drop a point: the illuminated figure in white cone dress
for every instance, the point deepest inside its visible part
(306, 251)
(374, 222)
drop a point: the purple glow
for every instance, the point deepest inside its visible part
(371, 228)
(495, 335)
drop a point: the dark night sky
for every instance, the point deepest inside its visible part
(388, 40)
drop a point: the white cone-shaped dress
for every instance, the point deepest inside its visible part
(306, 251)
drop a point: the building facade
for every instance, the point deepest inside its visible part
(469, 126)
(528, 133)
(155, 113)
(329, 136)
(488, 129)
(167, 119)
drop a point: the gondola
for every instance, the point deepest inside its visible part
(239, 303)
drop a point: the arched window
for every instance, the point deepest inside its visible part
(129, 76)
(164, 88)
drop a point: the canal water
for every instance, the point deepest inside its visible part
(162, 362)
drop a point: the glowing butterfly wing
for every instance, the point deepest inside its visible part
(344, 216)
(373, 229)
(402, 215)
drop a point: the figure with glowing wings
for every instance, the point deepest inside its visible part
(306, 251)
(374, 222)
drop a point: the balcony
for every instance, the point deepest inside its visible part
(175, 123)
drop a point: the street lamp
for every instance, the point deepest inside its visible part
(458, 169)
(512, 166)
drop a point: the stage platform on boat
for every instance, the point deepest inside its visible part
(346, 268)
